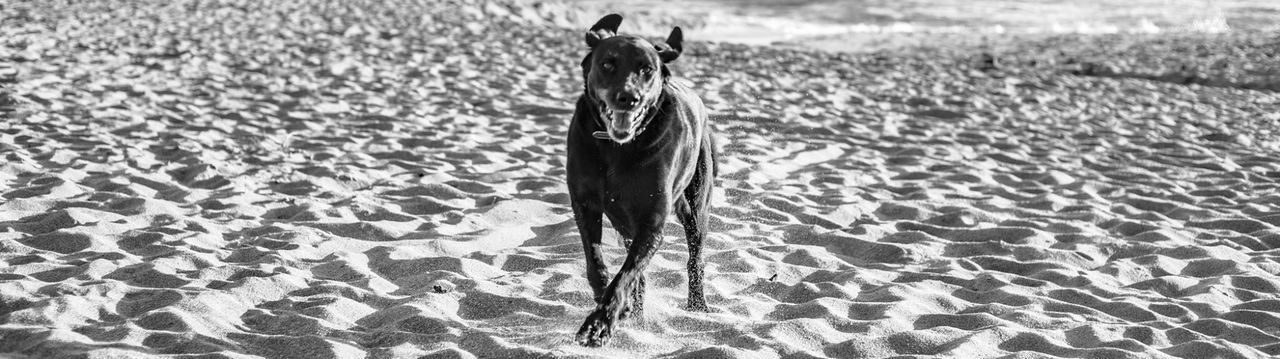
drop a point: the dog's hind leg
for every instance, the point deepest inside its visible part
(589, 225)
(692, 211)
(693, 237)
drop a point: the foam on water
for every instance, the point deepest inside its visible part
(768, 23)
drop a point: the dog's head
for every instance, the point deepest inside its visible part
(624, 75)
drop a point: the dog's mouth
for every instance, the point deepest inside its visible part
(621, 125)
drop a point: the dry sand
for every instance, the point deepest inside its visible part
(237, 179)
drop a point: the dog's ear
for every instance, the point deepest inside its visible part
(671, 50)
(603, 29)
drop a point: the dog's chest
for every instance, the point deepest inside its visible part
(665, 162)
(654, 174)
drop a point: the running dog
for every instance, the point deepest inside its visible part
(639, 149)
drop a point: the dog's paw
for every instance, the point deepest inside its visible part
(596, 330)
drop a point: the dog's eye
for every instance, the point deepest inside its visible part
(646, 69)
(608, 66)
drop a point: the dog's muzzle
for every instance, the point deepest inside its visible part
(621, 126)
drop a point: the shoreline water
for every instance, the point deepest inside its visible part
(1142, 45)
(869, 26)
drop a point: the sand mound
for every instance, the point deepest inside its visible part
(385, 179)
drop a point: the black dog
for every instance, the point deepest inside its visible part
(639, 148)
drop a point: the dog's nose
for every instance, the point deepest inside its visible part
(628, 99)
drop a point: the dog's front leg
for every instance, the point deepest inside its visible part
(598, 328)
(590, 221)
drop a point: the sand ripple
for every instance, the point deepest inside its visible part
(315, 179)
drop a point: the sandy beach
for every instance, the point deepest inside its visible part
(385, 179)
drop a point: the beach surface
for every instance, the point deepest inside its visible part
(385, 179)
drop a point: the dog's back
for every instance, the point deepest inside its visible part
(683, 90)
(690, 104)
(687, 107)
